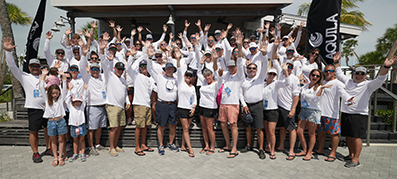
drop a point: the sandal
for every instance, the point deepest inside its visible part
(55, 162)
(210, 152)
(202, 151)
(291, 157)
(232, 155)
(61, 162)
(148, 150)
(191, 155)
(273, 157)
(139, 153)
(222, 150)
(330, 159)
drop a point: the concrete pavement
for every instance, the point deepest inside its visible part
(378, 161)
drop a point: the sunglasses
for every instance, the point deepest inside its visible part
(210, 40)
(218, 49)
(76, 52)
(313, 75)
(121, 69)
(315, 53)
(232, 40)
(178, 44)
(189, 75)
(158, 56)
(329, 71)
(118, 43)
(285, 39)
(95, 69)
(68, 78)
(235, 52)
(149, 39)
(251, 68)
(246, 42)
(290, 51)
(207, 55)
(254, 48)
(94, 58)
(360, 73)
(34, 66)
(218, 34)
(60, 53)
(273, 74)
(140, 66)
(163, 44)
(290, 67)
(113, 49)
(194, 38)
(138, 44)
(74, 69)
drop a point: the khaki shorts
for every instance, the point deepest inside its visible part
(228, 113)
(116, 116)
(142, 115)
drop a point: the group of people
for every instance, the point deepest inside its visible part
(265, 81)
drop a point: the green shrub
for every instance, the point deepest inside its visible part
(5, 97)
(4, 117)
(387, 115)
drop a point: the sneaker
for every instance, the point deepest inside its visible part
(47, 152)
(73, 158)
(69, 147)
(129, 120)
(113, 153)
(83, 158)
(351, 164)
(262, 154)
(118, 149)
(161, 150)
(173, 147)
(93, 152)
(37, 158)
(133, 122)
(101, 148)
(246, 149)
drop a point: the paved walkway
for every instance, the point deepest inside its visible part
(378, 161)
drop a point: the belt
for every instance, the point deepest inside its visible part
(166, 102)
(97, 105)
(254, 103)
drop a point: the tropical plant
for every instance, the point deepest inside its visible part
(17, 16)
(88, 26)
(348, 15)
(347, 50)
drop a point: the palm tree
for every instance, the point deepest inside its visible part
(6, 31)
(17, 16)
(347, 49)
(354, 17)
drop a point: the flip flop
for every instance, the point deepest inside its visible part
(210, 152)
(139, 153)
(191, 155)
(148, 150)
(203, 151)
(318, 153)
(184, 150)
(300, 154)
(273, 157)
(289, 157)
(305, 159)
(328, 159)
(232, 155)
(224, 150)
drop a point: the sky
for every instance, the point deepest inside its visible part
(379, 14)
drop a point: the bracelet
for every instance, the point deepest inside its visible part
(386, 66)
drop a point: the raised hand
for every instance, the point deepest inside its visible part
(106, 36)
(263, 47)
(80, 43)
(180, 36)
(187, 24)
(198, 23)
(150, 51)
(390, 62)
(148, 30)
(278, 27)
(133, 32)
(229, 26)
(291, 39)
(48, 35)
(220, 71)
(44, 72)
(171, 35)
(337, 57)
(68, 31)
(119, 28)
(198, 37)
(178, 54)
(112, 24)
(202, 59)
(7, 43)
(267, 25)
(277, 41)
(102, 44)
(94, 24)
(223, 34)
(110, 57)
(85, 86)
(272, 32)
(260, 30)
(301, 25)
(207, 27)
(85, 49)
(133, 50)
(58, 64)
(79, 32)
(140, 28)
(87, 34)
(165, 27)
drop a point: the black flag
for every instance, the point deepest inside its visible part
(323, 28)
(32, 45)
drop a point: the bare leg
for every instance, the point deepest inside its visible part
(266, 125)
(272, 136)
(321, 141)
(357, 147)
(349, 143)
(143, 136)
(160, 135)
(210, 130)
(153, 98)
(292, 140)
(226, 135)
(312, 139)
(98, 134)
(137, 136)
(186, 124)
(283, 134)
(34, 140)
(204, 128)
(76, 143)
(172, 133)
(46, 139)
(90, 138)
(82, 145)
(234, 130)
(301, 128)
(118, 132)
(112, 138)
(248, 133)
(259, 133)
(61, 141)
(54, 146)
(334, 144)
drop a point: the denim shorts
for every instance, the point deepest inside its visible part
(311, 115)
(57, 127)
(82, 129)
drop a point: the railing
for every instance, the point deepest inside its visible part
(12, 97)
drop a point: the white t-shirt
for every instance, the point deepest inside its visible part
(309, 99)
(329, 101)
(186, 94)
(96, 86)
(270, 93)
(57, 109)
(232, 85)
(144, 84)
(76, 113)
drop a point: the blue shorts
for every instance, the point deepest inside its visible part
(329, 125)
(57, 127)
(165, 113)
(82, 129)
(311, 115)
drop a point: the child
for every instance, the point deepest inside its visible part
(78, 128)
(55, 111)
(52, 77)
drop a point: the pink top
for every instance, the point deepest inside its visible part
(53, 80)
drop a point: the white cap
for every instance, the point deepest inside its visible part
(34, 61)
(272, 70)
(253, 45)
(158, 51)
(149, 36)
(231, 63)
(217, 31)
(290, 62)
(360, 68)
(207, 52)
(218, 46)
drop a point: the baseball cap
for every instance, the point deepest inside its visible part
(272, 70)
(158, 52)
(207, 52)
(93, 65)
(290, 48)
(218, 46)
(120, 65)
(149, 36)
(143, 62)
(360, 68)
(34, 61)
(285, 37)
(74, 66)
(77, 97)
(290, 62)
(231, 63)
(253, 45)
(112, 45)
(127, 39)
(189, 72)
(217, 31)
(169, 65)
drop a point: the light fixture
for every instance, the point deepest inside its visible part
(170, 21)
(55, 28)
(60, 22)
(352, 48)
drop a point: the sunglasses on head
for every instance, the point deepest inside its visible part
(314, 75)
(140, 66)
(34, 66)
(210, 40)
(218, 49)
(60, 53)
(360, 73)
(273, 74)
(149, 39)
(74, 69)
(113, 49)
(290, 51)
(218, 34)
(95, 69)
(314, 53)
(251, 68)
(118, 43)
(253, 48)
(207, 55)
(330, 71)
